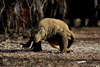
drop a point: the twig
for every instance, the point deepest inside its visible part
(3, 7)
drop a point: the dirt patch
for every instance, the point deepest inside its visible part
(85, 52)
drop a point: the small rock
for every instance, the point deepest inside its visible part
(20, 37)
(81, 62)
(98, 66)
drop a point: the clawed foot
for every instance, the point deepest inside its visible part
(24, 45)
(66, 51)
(36, 50)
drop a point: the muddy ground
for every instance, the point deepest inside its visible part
(85, 52)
